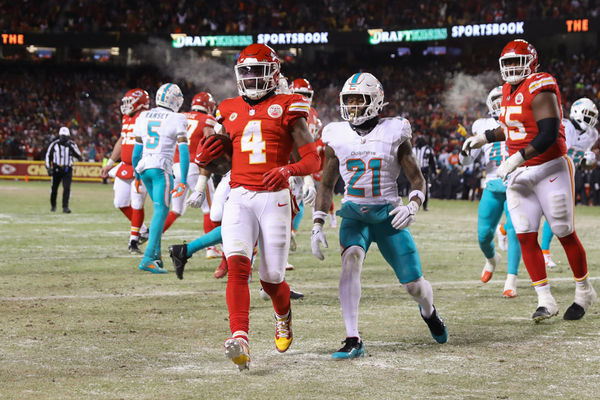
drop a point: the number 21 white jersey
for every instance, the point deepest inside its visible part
(369, 164)
(159, 129)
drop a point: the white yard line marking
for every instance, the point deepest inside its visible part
(461, 284)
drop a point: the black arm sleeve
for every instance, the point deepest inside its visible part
(547, 134)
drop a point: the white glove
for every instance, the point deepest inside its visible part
(473, 142)
(509, 165)
(318, 237)
(590, 159)
(404, 215)
(309, 192)
(196, 199)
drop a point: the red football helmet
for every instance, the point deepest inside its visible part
(518, 60)
(257, 71)
(135, 100)
(203, 101)
(303, 87)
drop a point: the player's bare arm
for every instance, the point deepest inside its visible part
(114, 157)
(330, 176)
(301, 135)
(411, 169)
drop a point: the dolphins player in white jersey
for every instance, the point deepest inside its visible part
(493, 200)
(581, 135)
(368, 152)
(158, 131)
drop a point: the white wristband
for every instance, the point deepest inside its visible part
(308, 180)
(417, 193)
(201, 184)
(319, 215)
(110, 162)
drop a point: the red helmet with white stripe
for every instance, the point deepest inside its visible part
(257, 71)
(303, 87)
(203, 101)
(135, 100)
(518, 60)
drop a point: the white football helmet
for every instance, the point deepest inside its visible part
(493, 101)
(169, 95)
(366, 85)
(584, 112)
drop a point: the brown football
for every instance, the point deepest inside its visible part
(222, 164)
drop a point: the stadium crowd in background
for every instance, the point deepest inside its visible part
(239, 16)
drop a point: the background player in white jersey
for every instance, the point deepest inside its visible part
(581, 135)
(157, 133)
(129, 194)
(368, 153)
(493, 200)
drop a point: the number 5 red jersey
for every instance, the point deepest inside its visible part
(517, 119)
(260, 134)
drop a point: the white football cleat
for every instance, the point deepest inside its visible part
(213, 252)
(502, 239)
(489, 267)
(548, 259)
(510, 286)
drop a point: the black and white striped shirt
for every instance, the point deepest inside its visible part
(424, 156)
(61, 154)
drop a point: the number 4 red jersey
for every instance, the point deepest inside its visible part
(260, 134)
(517, 118)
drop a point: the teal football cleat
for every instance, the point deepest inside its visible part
(353, 348)
(436, 326)
(154, 266)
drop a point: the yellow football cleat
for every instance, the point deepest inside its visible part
(283, 332)
(238, 351)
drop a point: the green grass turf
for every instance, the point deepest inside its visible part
(78, 320)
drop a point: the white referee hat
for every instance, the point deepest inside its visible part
(64, 131)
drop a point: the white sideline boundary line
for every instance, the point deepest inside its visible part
(469, 284)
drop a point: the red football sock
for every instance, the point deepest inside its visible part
(208, 225)
(331, 208)
(575, 255)
(127, 211)
(533, 258)
(280, 295)
(171, 217)
(237, 293)
(137, 220)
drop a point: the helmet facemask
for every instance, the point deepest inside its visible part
(515, 67)
(256, 79)
(127, 105)
(357, 108)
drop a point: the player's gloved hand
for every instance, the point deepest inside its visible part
(210, 148)
(309, 192)
(589, 157)
(317, 237)
(404, 215)
(138, 183)
(509, 165)
(473, 142)
(276, 178)
(179, 190)
(196, 199)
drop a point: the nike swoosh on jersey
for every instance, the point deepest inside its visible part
(281, 205)
(553, 179)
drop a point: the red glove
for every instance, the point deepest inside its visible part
(209, 149)
(276, 178)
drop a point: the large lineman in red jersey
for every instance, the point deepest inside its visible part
(539, 174)
(264, 128)
(518, 121)
(129, 196)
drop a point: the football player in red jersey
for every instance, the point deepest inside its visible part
(264, 128)
(541, 175)
(129, 194)
(201, 123)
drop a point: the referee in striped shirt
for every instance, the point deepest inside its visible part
(426, 158)
(59, 163)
